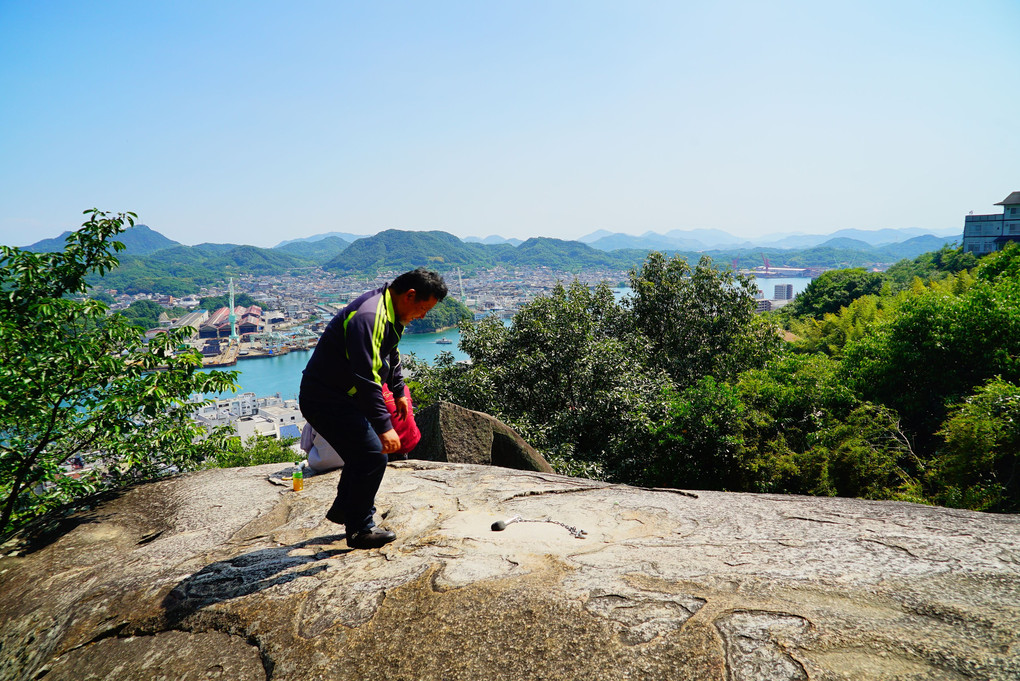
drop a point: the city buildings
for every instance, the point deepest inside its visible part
(250, 415)
(783, 292)
(247, 320)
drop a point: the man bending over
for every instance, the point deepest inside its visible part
(341, 393)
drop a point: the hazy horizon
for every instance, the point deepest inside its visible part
(250, 122)
(319, 235)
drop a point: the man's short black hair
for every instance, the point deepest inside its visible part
(426, 284)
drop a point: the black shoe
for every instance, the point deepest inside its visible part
(336, 514)
(371, 539)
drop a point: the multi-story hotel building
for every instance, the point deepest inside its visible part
(986, 233)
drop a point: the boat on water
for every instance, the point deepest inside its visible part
(444, 341)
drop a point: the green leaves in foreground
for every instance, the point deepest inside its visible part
(76, 381)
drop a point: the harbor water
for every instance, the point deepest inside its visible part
(268, 376)
(281, 374)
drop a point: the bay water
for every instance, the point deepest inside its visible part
(268, 376)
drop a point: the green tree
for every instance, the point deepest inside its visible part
(834, 330)
(145, 313)
(864, 455)
(832, 290)
(935, 350)
(700, 322)
(102, 296)
(929, 266)
(1004, 264)
(446, 313)
(76, 381)
(790, 399)
(567, 373)
(698, 443)
(806, 432)
(786, 403)
(978, 465)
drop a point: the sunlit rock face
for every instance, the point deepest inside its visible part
(224, 574)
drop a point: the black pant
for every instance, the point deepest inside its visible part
(336, 418)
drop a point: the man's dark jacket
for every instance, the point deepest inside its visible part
(356, 355)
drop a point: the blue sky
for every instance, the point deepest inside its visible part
(255, 122)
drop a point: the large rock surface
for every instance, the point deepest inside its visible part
(222, 574)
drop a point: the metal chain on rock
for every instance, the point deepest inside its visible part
(501, 525)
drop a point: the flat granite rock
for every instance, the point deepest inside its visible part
(222, 575)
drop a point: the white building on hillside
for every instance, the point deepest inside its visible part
(986, 233)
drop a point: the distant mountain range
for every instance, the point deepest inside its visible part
(492, 240)
(156, 264)
(714, 239)
(319, 237)
(141, 240)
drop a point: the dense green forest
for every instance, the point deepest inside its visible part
(319, 251)
(182, 270)
(895, 389)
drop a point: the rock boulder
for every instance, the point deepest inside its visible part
(452, 433)
(222, 574)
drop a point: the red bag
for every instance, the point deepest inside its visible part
(407, 429)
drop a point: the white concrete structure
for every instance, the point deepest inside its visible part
(247, 426)
(282, 416)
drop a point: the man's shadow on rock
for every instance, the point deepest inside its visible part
(246, 574)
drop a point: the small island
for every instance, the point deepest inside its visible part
(447, 314)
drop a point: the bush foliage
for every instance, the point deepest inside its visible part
(897, 388)
(254, 451)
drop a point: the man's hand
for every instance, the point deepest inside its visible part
(403, 408)
(390, 441)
